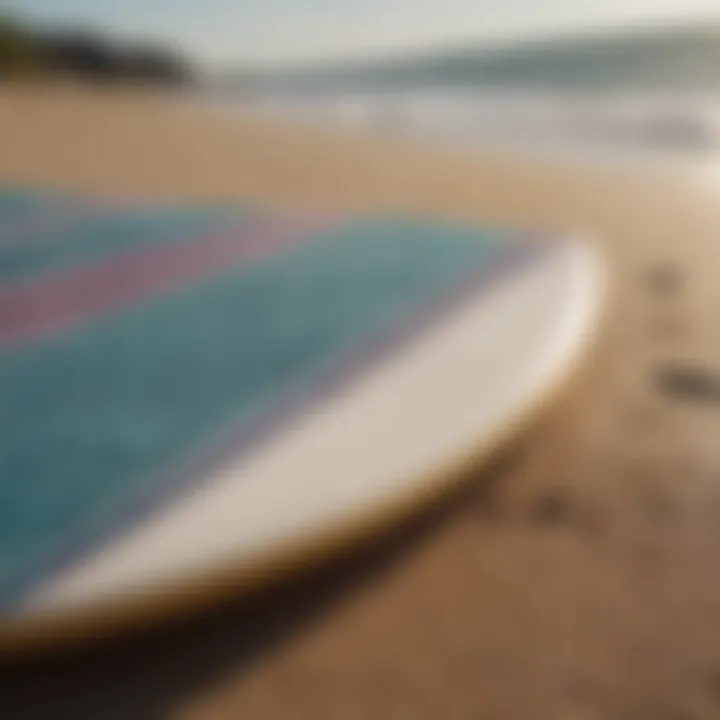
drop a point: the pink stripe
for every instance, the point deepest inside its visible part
(65, 298)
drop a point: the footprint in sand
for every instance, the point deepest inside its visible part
(689, 382)
(665, 279)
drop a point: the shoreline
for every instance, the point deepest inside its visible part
(625, 129)
(209, 124)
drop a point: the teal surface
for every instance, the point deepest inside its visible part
(110, 232)
(98, 419)
(17, 204)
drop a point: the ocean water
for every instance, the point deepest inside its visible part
(651, 93)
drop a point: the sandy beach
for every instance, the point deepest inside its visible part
(582, 583)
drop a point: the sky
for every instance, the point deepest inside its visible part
(219, 31)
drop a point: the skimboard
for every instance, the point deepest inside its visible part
(195, 398)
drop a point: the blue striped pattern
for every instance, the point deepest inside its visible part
(97, 420)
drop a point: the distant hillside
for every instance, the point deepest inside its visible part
(19, 54)
(685, 57)
(84, 55)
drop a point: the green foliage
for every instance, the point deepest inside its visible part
(19, 53)
(85, 56)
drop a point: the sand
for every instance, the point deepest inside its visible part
(579, 581)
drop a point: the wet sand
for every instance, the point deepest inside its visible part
(580, 581)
